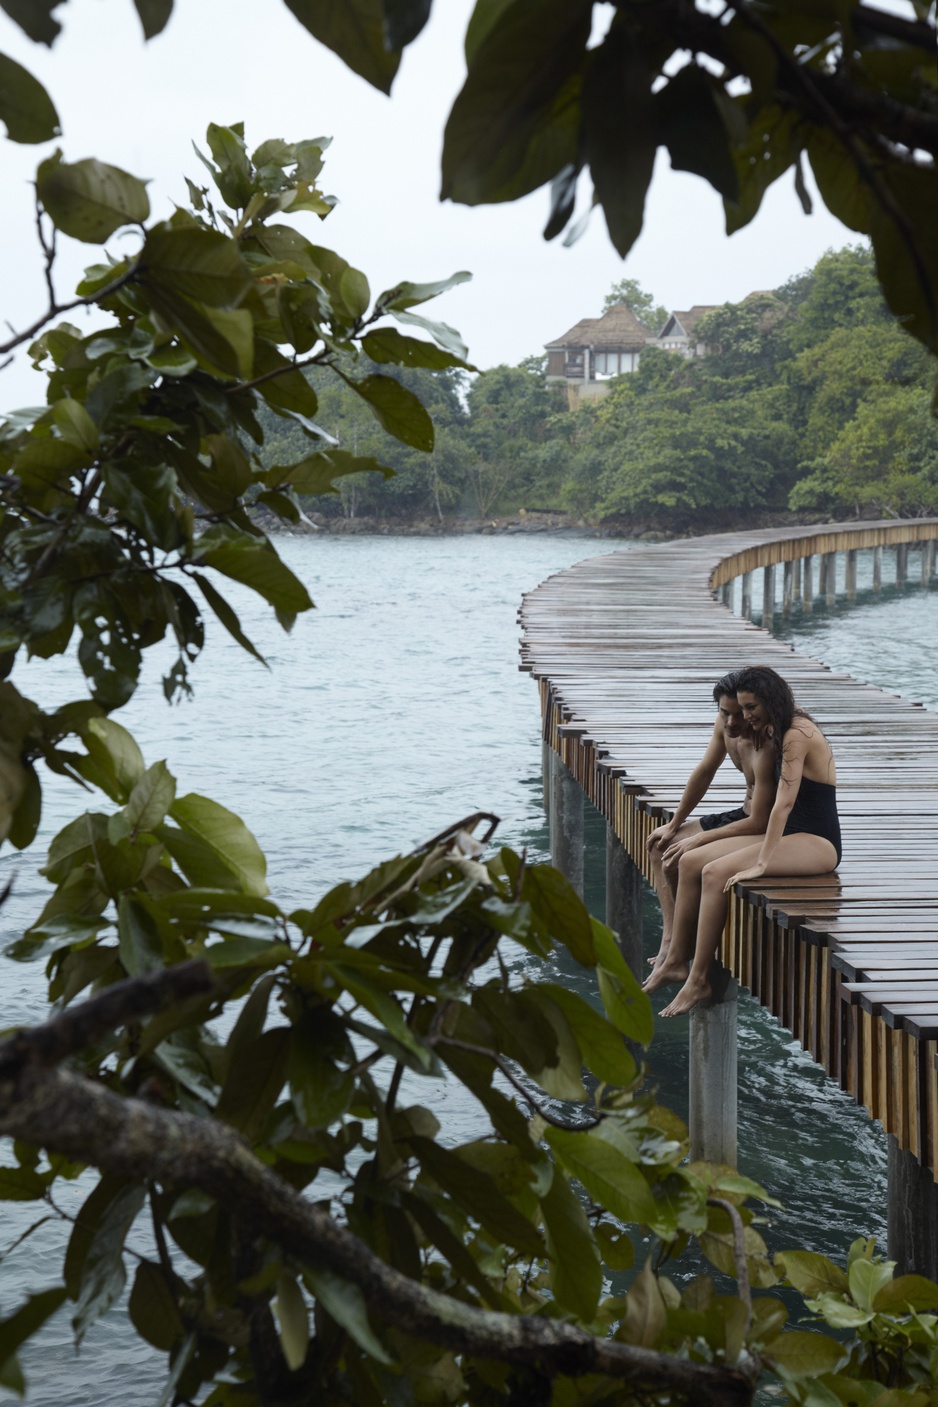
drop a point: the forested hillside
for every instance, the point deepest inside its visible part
(811, 399)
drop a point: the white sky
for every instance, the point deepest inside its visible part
(140, 106)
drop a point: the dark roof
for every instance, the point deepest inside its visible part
(688, 319)
(617, 328)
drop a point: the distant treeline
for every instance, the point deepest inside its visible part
(811, 399)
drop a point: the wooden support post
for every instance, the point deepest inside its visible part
(851, 574)
(713, 1062)
(746, 611)
(566, 822)
(807, 593)
(624, 901)
(788, 573)
(545, 773)
(830, 577)
(911, 1213)
(877, 569)
(902, 563)
(768, 596)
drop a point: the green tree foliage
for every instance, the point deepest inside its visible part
(250, 1082)
(629, 291)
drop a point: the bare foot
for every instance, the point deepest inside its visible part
(663, 974)
(694, 990)
(662, 952)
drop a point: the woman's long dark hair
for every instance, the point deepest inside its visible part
(776, 698)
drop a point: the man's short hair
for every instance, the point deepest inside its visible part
(726, 686)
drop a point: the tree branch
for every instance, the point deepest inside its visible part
(69, 1114)
(55, 1108)
(56, 309)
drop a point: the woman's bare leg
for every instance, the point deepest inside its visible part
(674, 965)
(800, 854)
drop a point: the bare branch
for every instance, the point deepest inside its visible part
(68, 1114)
(739, 1252)
(78, 1027)
(519, 1085)
(56, 309)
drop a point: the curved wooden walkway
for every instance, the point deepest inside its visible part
(626, 648)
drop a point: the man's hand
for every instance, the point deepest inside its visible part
(661, 835)
(678, 847)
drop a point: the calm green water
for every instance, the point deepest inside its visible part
(394, 709)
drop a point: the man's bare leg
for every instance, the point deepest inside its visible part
(664, 878)
(674, 966)
(800, 854)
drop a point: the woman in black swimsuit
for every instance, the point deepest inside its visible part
(802, 837)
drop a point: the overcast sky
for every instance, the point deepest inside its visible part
(140, 106)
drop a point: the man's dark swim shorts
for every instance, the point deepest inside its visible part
(722, 818)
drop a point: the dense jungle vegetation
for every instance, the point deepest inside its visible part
(812, 399)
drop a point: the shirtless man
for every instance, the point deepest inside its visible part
(731, 738)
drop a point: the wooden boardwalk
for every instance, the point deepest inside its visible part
(626, 648)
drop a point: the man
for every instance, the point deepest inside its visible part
(731, 738)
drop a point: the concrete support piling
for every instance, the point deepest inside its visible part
(928, 561)
(545, 773)
(877, 569)
(807, 577)
(829, 576)
(850, 574)
(726, 593)
(787, 587)
(624, 901)
(911, 1213)
(713, 1073)
(746, 609)
(902, 563)
(566, 822)
(768, 596)
(796, 579)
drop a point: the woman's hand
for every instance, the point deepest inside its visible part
(755, 871)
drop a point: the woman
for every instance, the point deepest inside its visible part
(802, 836)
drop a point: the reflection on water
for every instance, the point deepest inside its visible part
(392, 710)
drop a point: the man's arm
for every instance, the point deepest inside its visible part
(756, 823)
(696, 787)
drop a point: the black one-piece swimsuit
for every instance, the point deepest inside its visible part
(815, 813)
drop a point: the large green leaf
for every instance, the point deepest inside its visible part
(255, 564)
(905, 242)
(256, 1075)
(20, 1185)
(525, 61)
(203, 265)
(154, 15)
(403, 21)
(345, 1303)
(620, 135)
(153, 1309)
(690, 112)
(355, 30)
(140, 939)
(386, 344)
(117, 759)
(34, 18)
(89, 200)
(608, 1175)
(227, 836)
(318, 472)
(151, 798)
(396, 410)
(221, 338)
(805, 1355)
(844, 191)
(810, 1273)
(226, 614)
(25, 106)
(627, 1006)
(576, 1268)
(24, 1322)
(603, 1048)
(102, 1273)
(768, 153)
(562, 911)
(478, 1194)
(289, 389)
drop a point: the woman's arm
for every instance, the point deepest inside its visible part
(794, 751)
(755, 824)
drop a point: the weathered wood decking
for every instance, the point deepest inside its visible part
(626, 648)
